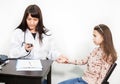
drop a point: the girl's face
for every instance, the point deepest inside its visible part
(97, 37)
(32, 22)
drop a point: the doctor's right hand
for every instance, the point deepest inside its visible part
(28, 47)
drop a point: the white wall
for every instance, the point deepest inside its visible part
(71, 22)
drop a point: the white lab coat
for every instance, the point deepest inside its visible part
(39, 51)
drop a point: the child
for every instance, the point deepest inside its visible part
(99, 60)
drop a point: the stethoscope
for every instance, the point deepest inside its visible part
(23, 57)
(24, 39)
(23, 45)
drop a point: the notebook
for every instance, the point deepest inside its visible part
(28, 65)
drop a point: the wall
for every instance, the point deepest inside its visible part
(71, 22)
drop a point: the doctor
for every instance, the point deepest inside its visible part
(31, 39)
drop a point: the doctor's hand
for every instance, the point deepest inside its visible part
(62, 59)
(28, 47)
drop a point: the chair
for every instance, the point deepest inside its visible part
(105, 80)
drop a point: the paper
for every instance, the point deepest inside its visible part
(29, 65)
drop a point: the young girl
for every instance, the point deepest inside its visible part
(99, 60)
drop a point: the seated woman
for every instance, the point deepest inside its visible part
(31, 39)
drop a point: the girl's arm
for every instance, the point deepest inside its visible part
(84, 60)
(79, 61)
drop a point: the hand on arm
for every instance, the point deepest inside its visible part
(75, 62)
(62, 59)
(65, 59)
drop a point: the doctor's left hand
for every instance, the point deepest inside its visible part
(62, 59)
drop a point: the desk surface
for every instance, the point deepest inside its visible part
(10, 69)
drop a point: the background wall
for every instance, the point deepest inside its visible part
(71, 22)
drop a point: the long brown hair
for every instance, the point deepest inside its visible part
(35, 11)
(108, 46)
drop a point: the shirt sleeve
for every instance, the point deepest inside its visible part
(85, 60)
(16, 48)
(53, 50)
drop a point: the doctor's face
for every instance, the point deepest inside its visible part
(32, 22)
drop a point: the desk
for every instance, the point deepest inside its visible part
(9, 75)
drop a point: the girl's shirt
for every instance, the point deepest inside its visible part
(96, 67)
(46, 49)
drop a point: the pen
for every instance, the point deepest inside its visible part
(30, 63)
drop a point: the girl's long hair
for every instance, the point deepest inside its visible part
(108, 46)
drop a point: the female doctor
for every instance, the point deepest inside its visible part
(30, 38)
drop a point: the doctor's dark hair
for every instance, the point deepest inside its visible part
(35, 11)
(108, 46)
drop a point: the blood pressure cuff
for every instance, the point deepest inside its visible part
(3, 58)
